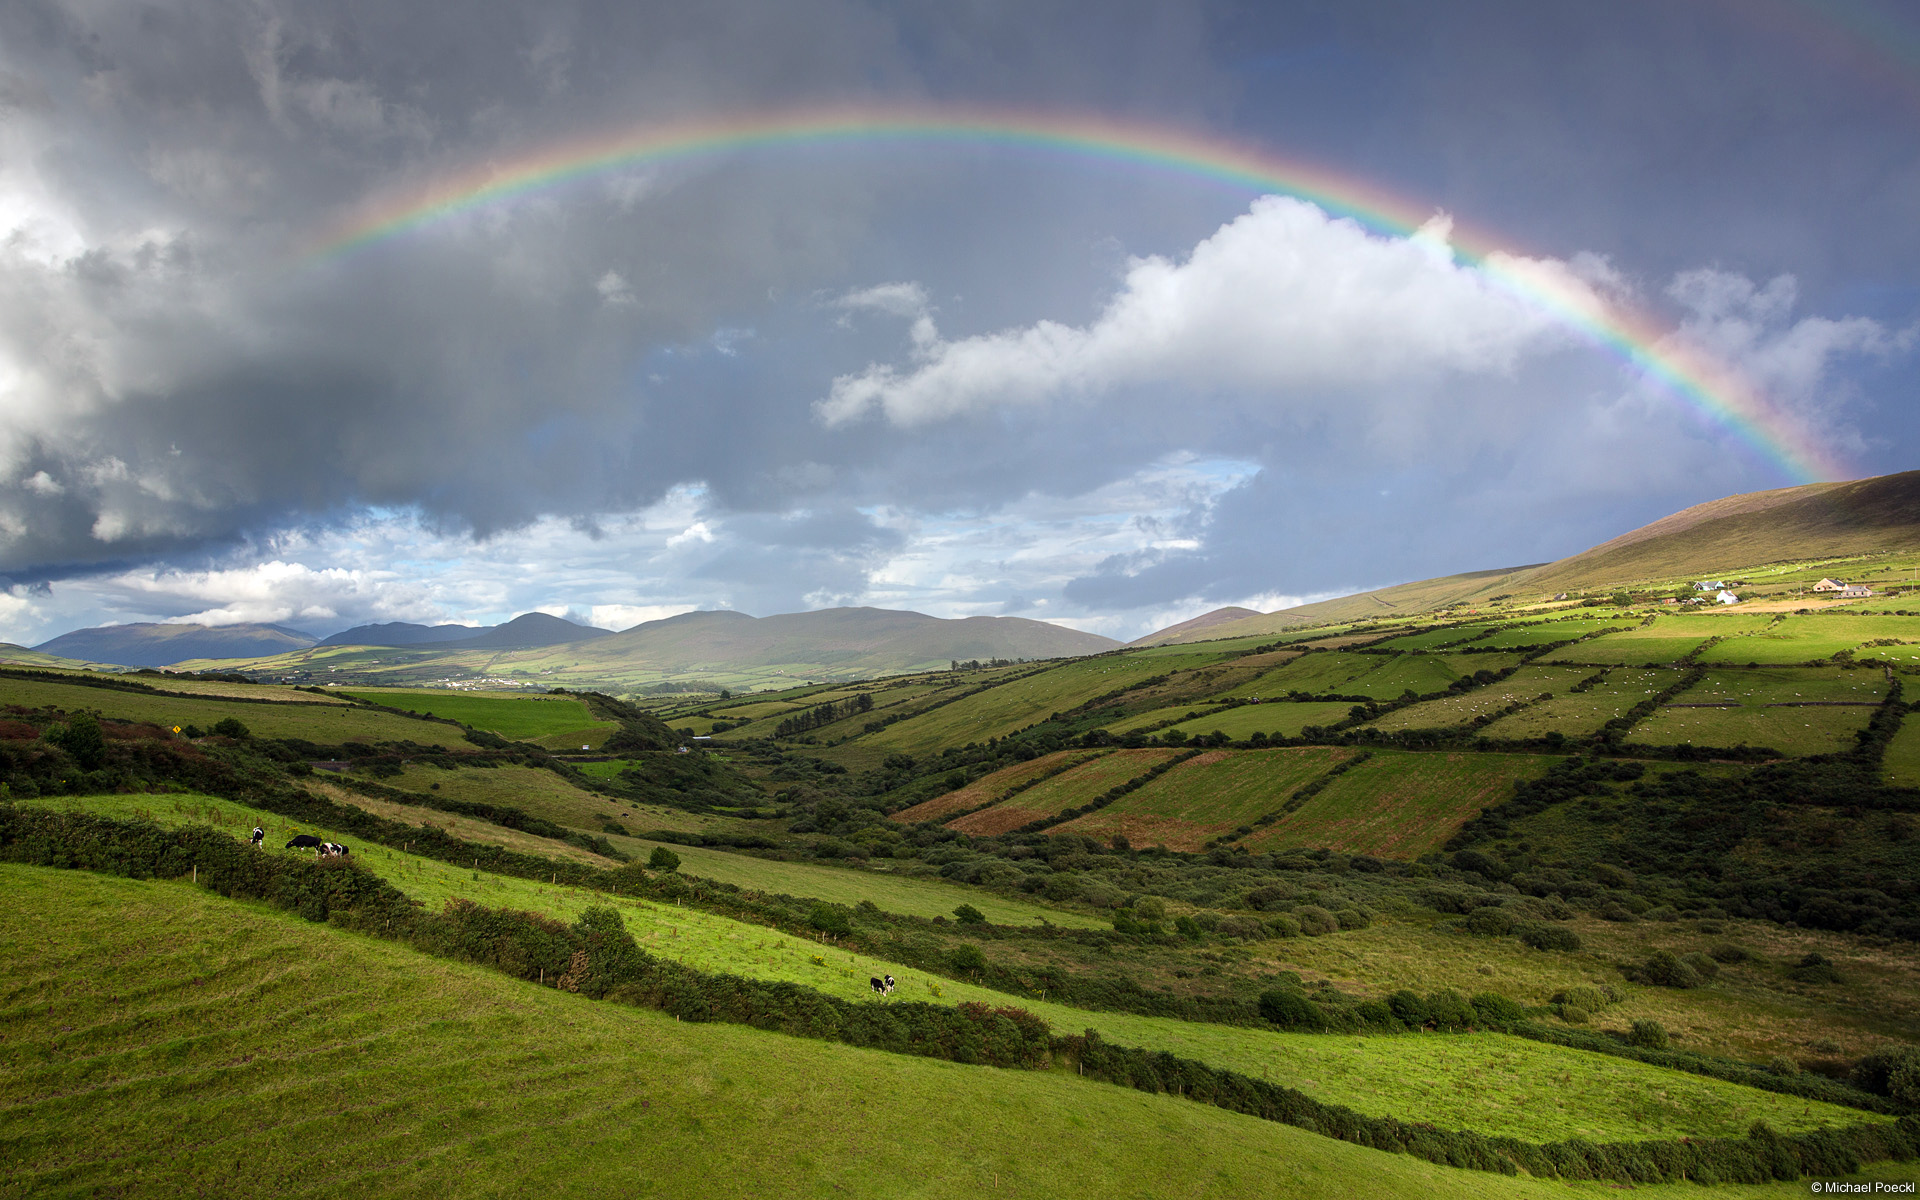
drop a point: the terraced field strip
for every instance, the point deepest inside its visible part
(1582, 713)
(543, 793)
(1019, 702)
(1424, 673)
(1444, 1080)
(1667, 640)
(991, 787)
(1070, 790)
(1541, 633)
(1316, 674)
(272, 692)
(1902, 764)
(322, 722)
(1400, 805)
(1522, 685)
(1433, 639)
(1207, 796)
(1800, 639)
(1795, 710)
(559, 719)
(1283, 717)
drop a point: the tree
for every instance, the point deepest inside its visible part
(82, 739)
(967, 959)
(967, 914)
(231, 727)
(663, 859)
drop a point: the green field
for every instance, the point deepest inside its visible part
(991, 787)
(1433, 639)
(276, 1057)
(1812, 637)
(1207, 796)
(1316, 674)
(1542, 633)
(1581, 713)
(1283, 717)
(323, 721)
(1400, 805)
(1669, 639)
(560, 720)
(1018, 703)
(1522, 685)
(1766, 715)
(544, 793)
(1376, 676)
(1902, 765)
(1064, 791)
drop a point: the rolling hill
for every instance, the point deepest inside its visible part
(1817, 522)
(147, 644)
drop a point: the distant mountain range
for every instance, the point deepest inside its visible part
(529, 629)
(152, 645)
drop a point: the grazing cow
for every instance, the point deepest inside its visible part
(305, 841)
(258, 835)
(882, 987)
(333, 850)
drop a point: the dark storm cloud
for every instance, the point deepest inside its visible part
(183, 388)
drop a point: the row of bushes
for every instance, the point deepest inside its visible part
(596, 957)
(1761, 1156)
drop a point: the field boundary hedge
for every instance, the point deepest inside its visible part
(596, 957)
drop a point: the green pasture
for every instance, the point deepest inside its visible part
(323, 721)
(1811, 637)
(1023, 700)
(1400, 805)
(1522, 685)
(562, 720)
(1207, 796)
(1669, 639)
(1278, 717)
(1540, 633)
(546, 794)
(1577, 714)
(1424, 673)
(990, 787)
(1334, 671)
(1434, 639)
(236, 691)
(1791, 731)
(1067, 790)
(1496, 1084)
(276, 1057)
(1902, 765)
(1787, 685)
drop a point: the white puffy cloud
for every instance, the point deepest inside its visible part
(1283, 299)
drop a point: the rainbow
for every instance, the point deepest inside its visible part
(1713, 389)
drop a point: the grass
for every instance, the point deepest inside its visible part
(161, 1041)
(1902, 765)
(1579, 713)
(1400, 805)
(1424, 673)
(325, 722)
(1762, 717)
(562, 720)
(1540, 633)
(1800, 639)
(1522, 685)
(1433, 639)
(991, 787)
(1064, 791)
(1282, 717)
(1669, 639)
(545, 794)
(1207, 796)
(1025, 699)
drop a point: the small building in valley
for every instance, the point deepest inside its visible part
(1726, 597)
(1855, 591)
(1830, 585)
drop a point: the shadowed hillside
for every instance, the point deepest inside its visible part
(153, 645)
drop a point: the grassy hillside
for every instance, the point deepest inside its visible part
(278, 1057)
(324, 722)
(1400, 805)
(558, 722)
(1205, 797)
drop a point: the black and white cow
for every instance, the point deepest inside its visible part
(304, 841)
(882, 987)
(259, 834)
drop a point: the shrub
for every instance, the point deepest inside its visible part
(967, 914)
(1702, 965)
(1648, 1035)
(1150, 908)
(1489, 922)
(1248, 928)
(1280, 925)
(1291, 1010)
(1495, 1011)
(663, 859)
(1449, 1010)
(831, 919)
(1314, 920)
(1573, 1014)
(82, 739)
(1408, 1007)
(1664, 968)
(967, 959)
(1815, 968)
(1591, 999)
(1479, 864)
(1550, 937)
(231, 727)
(1352, 918)
(1894, 1074)
(1782, 1066)
(1613, 910)
(1727, 952)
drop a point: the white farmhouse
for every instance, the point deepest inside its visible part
(1726, 597)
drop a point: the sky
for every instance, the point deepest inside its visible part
(983, 375)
